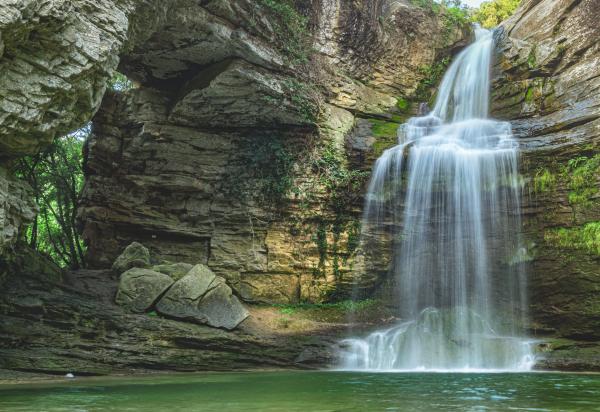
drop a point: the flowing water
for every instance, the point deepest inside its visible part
(310, 392)
(448, 198)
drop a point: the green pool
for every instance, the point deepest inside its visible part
(311, 391)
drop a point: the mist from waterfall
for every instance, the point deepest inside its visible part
(448, 197)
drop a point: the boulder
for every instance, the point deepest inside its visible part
(140, 288)
(135, 255)
(202, 297)
(175, 270)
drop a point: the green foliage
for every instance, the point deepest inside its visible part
(271, 163)
(531, 59)
(453, 13)
(544, 181)
(403, 105)
(304, 97)
(290, 28)
(56, 177)
(345, 306)
(432, 75)
(120, 83)
(581, 175)
(343, 185)
(492, 13)
(586, 237)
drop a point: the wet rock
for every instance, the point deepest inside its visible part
(140, 288)
(202, 297)
(135, 255)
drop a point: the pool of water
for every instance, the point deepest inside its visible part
(311, 391)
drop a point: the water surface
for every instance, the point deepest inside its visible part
(311, 391)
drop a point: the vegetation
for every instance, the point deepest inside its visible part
(271, 162)
(56, 177)
(544, 181)
(290, 28)
(492, 13)
(432, 75)
(581, 174)
(586, 237)
(344, 305)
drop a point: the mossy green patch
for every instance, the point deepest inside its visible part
(581, 174)
(332, 312)
(292, 35)
(385, 133)
(544, 181)
(586, 238)
(531, 58)
(403, 105)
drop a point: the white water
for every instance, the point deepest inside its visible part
(448, 195)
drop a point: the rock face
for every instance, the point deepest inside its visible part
(202, 297)
(75, 326)
(56, 57)
(139, 289)
(17, 208)
(547, 77)
(217, 156)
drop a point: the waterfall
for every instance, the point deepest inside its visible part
(448, 197)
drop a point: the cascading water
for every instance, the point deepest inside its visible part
(448, 195)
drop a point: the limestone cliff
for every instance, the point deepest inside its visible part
(546, 83)
(232, 150)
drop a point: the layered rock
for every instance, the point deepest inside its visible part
(547, 78)
(217, 156)
(56, 57)
(75, 327)
(17, 209)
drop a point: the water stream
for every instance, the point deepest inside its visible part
(448, 197)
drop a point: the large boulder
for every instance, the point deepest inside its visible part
(202, 297)
(175, 270)
(135, 255)
(140, 288)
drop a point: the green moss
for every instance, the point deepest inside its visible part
(292, 35)
(403, 105)
(529, 95)
(581, 175)
(586, 238)
(432, 74)
(544, 181)
(269, 160)
(303, 97)
(531, 59)
(382, 128)
(386, 134)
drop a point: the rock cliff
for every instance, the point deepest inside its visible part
(546, 83)
(232, 149)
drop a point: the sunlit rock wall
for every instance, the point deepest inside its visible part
(235, 152)
(547, 82)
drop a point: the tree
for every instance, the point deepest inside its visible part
(56, 177)
(492, 13)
